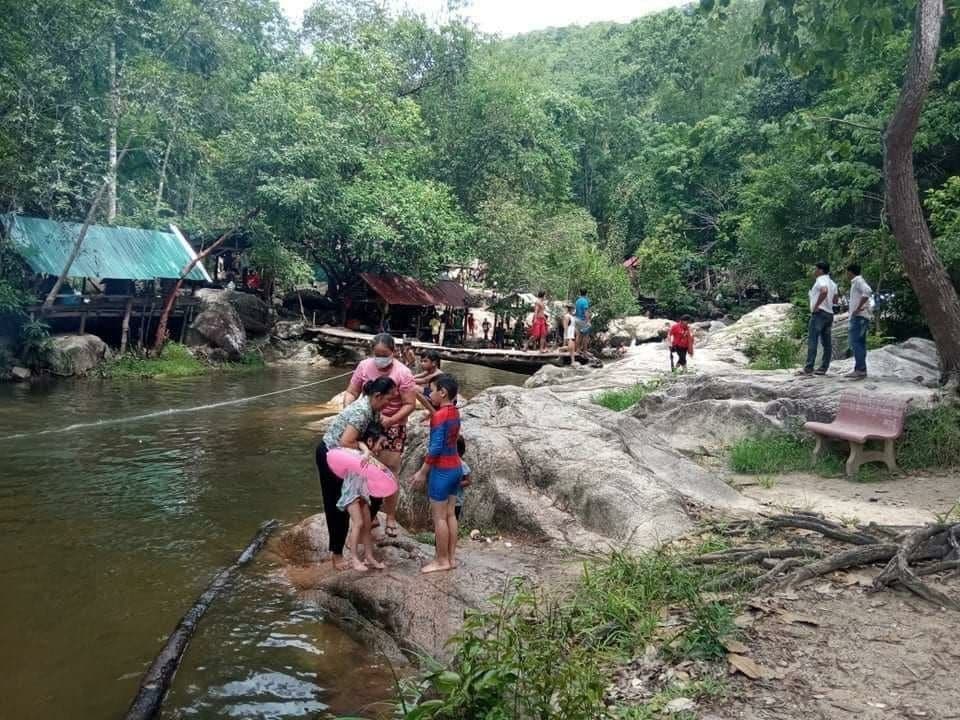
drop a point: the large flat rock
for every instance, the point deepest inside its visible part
(400, 611)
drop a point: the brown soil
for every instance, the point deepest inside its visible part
(900, 500)
(870, 655)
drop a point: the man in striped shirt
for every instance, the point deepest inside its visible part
(442, 471)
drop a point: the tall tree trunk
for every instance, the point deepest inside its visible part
(161, 337)
(163, 175)
(88, 221)
(113, 131)
(927, 274)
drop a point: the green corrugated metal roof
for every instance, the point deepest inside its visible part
(118, 253)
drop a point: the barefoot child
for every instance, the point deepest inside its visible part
(442, 471)
(355, 500)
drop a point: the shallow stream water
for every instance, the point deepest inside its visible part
(118, 502)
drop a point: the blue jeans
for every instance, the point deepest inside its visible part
(821, 324)
(858, 342)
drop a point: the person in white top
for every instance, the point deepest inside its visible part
(823, 296)
(570, 333)
(861, 311)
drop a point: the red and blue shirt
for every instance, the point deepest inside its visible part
(444, 431)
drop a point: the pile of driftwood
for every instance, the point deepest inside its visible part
(910, 553)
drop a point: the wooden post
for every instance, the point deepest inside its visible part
(83, 322)
(125, 332)
(187, 312)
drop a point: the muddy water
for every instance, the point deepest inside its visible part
(115, 510)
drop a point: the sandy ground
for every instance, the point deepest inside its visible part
(901, 500)
(861, 655)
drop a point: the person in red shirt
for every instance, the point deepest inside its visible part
(681, 340)
(443, 472)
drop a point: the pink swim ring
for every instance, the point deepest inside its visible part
(380, 482)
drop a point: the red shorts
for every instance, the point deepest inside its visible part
(539, 328)
(396, 438)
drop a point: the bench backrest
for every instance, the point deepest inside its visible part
(868, 410)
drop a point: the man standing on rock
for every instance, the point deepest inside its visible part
(822, 296)
(860, 313)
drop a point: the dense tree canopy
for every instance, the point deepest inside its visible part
(716, 148)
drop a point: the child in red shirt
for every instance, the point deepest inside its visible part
(681, 340)
(442, 471)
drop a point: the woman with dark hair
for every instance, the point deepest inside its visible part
(346, 430)
(383, 364)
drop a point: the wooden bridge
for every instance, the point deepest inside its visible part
(503, 359)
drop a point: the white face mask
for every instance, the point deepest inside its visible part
(382, 362)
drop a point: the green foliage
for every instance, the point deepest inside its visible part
(279, 265)
(771, 453)
(931, 439)
(620, 400)
(772, 352)
(536, 655)
(34, 344)
(174, 361)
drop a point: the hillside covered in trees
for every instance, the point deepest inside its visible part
(369, 139)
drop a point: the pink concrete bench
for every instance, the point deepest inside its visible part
(863, 417)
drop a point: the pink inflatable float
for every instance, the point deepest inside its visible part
(380, 482)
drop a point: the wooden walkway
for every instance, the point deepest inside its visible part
(507, 359)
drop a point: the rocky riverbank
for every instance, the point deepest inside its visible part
(232, 329)
(564, 477)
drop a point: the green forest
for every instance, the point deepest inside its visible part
(725, 148)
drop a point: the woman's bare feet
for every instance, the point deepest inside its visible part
(374, 563)
(435, 567)
(358, 564)
(339, 563)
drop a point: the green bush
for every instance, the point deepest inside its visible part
(619, 400)
(773, 453)
(772, 352)
(175, 360)
(34, 350)
(931, 438)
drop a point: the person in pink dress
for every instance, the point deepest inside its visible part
(393, 417)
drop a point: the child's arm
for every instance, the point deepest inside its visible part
(434, 448)
(427, 405)
(467, 481)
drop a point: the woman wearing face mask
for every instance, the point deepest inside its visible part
(394, 415)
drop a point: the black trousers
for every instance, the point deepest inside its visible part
(338, 521)
(681, 356)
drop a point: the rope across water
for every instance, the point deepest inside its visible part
(171, 411)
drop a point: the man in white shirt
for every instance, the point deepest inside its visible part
(822, 295)
(860, 314)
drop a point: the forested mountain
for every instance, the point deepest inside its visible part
(371, 140)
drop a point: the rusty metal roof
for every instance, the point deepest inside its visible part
(450, 292)
(403, 290)
(117, 253)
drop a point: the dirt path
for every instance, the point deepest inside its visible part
(907, 500)
(870, 656)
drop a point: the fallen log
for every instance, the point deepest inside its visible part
(156, 681)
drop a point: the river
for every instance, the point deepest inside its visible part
(116, 508)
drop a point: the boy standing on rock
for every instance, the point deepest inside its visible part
(442, 471)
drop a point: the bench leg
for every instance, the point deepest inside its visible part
(855, 460)
(819, 447)
(889, 457)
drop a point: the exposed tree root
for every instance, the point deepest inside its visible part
(910, 553)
